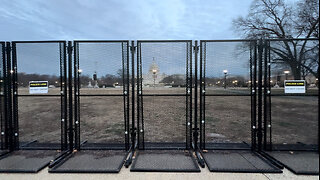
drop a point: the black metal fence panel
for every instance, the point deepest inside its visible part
(291, 112)
(246, 93)
(164, 93)
(228, 83)
(101, 84)
(39, 94)
(3, 97)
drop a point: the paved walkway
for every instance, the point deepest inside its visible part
(125, 174)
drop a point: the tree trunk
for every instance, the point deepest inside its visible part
(296, 72)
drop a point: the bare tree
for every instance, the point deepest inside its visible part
(24, 79)
(276, 19)
(174, 79)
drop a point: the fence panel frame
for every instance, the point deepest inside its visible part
(125, 91)
(253, 89)
(267, 95)
(189, 86)
(63, 91)
(5, 96)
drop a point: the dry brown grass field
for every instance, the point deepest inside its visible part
(294, 119)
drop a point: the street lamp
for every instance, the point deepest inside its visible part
(235, 82)
(154, 72)
(286, 73)
(79, 73)
(225, 78)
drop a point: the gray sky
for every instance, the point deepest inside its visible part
(119, 19)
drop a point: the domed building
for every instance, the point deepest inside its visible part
(153, 76)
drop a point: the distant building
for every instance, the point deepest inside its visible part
(153, 76)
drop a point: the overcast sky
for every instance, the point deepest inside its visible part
(119, 19)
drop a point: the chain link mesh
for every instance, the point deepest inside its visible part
(39, 118)
(102, 85)
(226, 104)
(164, 92)
(293, 117)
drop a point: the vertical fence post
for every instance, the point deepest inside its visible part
(203, 82)
(133, 130)
(265, 91)
(252, 70)
(71, 129)
(124, 93)
(195, 133)
(201, 119)
(14, 82)
(76, 89)
(188, 96)
(254, 96)
(128, 92)
(260, 54)
(269, 96)
(4, 123)
(138, 97)
(63, 95)
(75, 79)
(9, 84)
(141, 98)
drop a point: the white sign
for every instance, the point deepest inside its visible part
(38, 87)
(294, 86)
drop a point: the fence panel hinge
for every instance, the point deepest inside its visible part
(69, 49)
(133, 49)
(195, 48)
(8, 49)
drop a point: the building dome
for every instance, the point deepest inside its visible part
(154, 68)
(153, 77)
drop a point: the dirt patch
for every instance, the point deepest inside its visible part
(228, 119)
